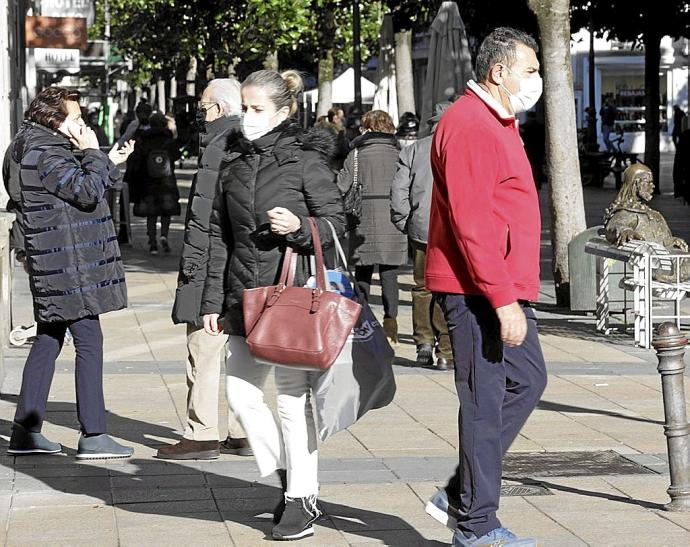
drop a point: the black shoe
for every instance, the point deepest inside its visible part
(187, 449)
(445, 364)
(390, 327)
(153, 249)
(164, 244)
(297, 520)
(280, 508)
(24, 442)
(238, 447)
(425, 355)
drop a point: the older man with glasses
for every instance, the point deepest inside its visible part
(218, 115)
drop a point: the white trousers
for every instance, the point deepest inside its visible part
(292, 447)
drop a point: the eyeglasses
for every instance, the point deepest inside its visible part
(205, 107)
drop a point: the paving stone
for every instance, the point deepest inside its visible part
(247, 492)
(64, 525)
(158, 481)
(72, 485)
(54, 498)
(192, 528)
(141, 495)
(169, 507)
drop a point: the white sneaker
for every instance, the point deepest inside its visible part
(440, 509)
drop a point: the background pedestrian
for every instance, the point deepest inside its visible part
(375, 243)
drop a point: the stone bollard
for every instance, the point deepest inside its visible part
(670, 344)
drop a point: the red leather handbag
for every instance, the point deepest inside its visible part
(298, 327)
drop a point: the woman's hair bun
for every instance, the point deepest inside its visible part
(294, 82)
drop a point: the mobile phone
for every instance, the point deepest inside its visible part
(70, 127)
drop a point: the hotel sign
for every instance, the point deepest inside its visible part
(56, 32)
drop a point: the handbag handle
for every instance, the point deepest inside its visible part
(318, 253)
(287, 274)
(340, 253)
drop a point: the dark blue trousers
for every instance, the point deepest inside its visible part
(40, 368)
(498, 388)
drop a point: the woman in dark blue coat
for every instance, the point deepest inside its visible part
(74, 266)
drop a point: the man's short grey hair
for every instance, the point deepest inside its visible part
(500, 47)
(226, 92)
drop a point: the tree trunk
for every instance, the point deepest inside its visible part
(652, 127)
(271, 61)
(325, 30)
(191, 77)
(152, 95)
(173, 93)
(404, 82)
(325, 83)
(566, 201)
(160, 95)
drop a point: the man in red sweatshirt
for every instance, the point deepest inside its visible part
(483, 268)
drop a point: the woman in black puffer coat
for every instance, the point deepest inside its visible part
(274, 179)
(153, 184)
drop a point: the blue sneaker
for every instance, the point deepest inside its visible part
(496, 538)
(443, 510)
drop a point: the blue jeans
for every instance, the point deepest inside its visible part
(498, 388)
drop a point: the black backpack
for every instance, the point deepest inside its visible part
(158, 165)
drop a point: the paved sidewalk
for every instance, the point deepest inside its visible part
(588, 469)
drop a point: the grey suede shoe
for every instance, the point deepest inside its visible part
(24, 443)
(101, 447)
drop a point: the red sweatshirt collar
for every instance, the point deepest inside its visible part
(498, 110)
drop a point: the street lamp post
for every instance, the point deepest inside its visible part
(106, 80)
(357, 54)
(670, 345)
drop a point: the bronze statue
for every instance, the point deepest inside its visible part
(629, 217)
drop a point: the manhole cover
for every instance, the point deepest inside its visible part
(570, 464)
(525, 490)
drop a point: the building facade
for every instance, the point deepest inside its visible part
(619, 75)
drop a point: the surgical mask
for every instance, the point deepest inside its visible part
(255, 126)
(528, 94)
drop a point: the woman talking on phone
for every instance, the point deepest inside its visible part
(74, 266)
(275, 178)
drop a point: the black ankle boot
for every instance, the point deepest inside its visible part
(297, 519)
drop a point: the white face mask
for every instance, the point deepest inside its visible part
(527, 96)
(255, 126)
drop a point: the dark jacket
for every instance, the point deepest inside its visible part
(286, 168)
(73, 258)
(194, 260)
(11, 180)
(411, 190)
(375, 240)
(153, 196)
